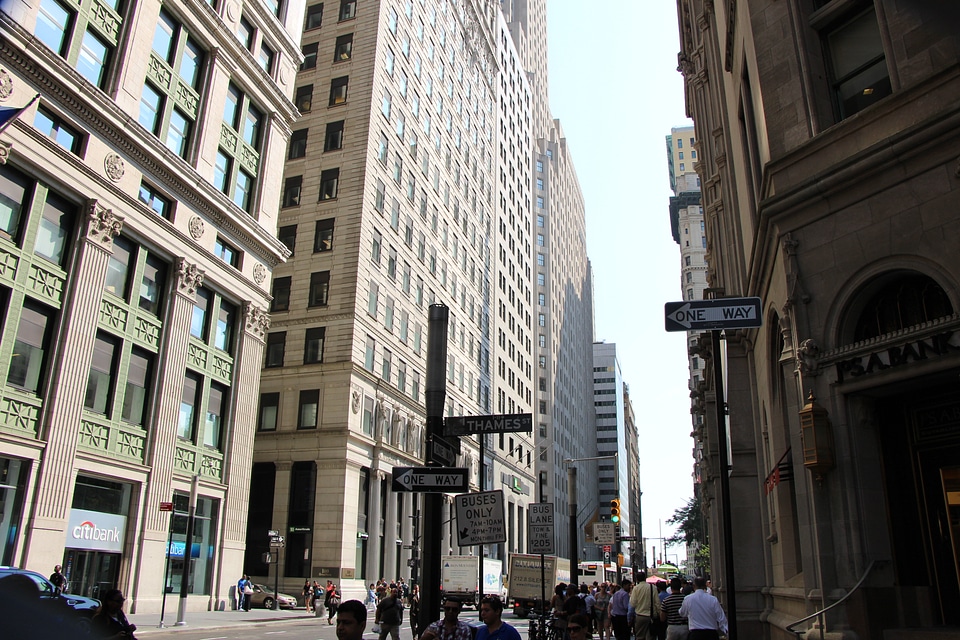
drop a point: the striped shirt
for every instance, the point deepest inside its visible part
(671, 606)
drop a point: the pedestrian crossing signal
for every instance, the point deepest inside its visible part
(615, 510)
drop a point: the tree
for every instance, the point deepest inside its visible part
(690, 527)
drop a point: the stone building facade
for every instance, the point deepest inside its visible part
(827, 142)
(139, 209)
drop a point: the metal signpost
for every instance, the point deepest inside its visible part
(276, 542)
(716, 315)
(430, 479)
(166, 506)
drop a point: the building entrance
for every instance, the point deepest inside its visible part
(90, 573)
(940, 474)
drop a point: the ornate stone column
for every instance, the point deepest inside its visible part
(185, 279)
(68, 383)
(374, 527)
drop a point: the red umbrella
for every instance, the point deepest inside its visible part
(656, 579)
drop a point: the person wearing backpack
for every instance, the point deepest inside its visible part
(389, 615)
(588, 602)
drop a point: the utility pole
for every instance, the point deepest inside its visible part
(187, 553)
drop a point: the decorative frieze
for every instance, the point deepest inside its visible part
(103, 224)
(256, 319)
(190, 276)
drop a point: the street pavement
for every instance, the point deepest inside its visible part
(288, 623)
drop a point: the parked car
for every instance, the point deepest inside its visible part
(75, 611)
(263, 596)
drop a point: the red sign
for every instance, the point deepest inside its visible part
(607, 549)
(166, 506)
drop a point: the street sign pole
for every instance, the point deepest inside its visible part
(187, 553)
(166, 564)
(726, 517)
(436, 395)
(276, 583)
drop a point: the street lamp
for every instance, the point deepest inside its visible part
(572, 505)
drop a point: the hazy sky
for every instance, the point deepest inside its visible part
(616, 91)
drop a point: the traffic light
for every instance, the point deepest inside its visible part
(615, 510)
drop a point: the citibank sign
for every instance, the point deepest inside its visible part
(95, 530)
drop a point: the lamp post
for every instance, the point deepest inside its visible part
(572, 501)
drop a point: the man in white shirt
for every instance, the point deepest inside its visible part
(703, 613)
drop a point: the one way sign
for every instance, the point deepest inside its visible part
(722, 313)
(430, 479)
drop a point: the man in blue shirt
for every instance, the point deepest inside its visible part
(620, 609)
(491, 608)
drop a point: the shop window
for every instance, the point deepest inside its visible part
(281, 294)
(300, 519)
(203, 555)
(276, 345)
(28, 363)
(260, 516)
(308, 409)
(313, 345)
(13, 481)
(100, 377)
(269, 411)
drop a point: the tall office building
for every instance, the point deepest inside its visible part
(139, 212)
(827, 140)
(407, 183)
(565, 423)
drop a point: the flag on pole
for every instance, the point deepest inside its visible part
(9, 114)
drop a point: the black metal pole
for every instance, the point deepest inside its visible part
(166, 570)
(730, 586)
(187, 553)
(415, 552)
(572, 493)
(276, 581)
(480, 552)
(543, 574)
(436, 395)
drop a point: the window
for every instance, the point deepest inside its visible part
(94, 57)
(309, 409)
(323, 235)
(152, 285)
(118, 268)
(348, 9)
(314, 17)
(15, 188)
(338, 90)
(344, 48)
(857, 64)
(152, 198)
(266, 58)
(221, 171)
(136, 395)
(388, 311)
(56, 225)
(379, 196)
(226, 319)
(186, 423)
(368, 353)
(288, 236)
(59, 27)
(56, 128)
(304, 99)
(216, 411)
(386, 365)
(52, 24)
(232, 175)
(334, 137)
(291, 191)
(681, 155)
(373, 299)
(298, 144)
(319, 289)
(175, 52)
(309, 56)
(375, 247)
(269, 410)
(29, 359)
(245, 33)
(541, 280)
(383, 149)
(540, 241)
(227, 253)
(329, 183)
(276, 345)
(385, 104)
(313, 345)
(281, 294)
(541, 260)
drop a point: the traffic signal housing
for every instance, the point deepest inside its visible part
(615, 510)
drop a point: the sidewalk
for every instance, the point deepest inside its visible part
(148, 623)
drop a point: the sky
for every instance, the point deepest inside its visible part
(614, 87)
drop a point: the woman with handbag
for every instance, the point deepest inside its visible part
(333, 602)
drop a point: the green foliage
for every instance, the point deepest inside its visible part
(691, 529)
(701, 559)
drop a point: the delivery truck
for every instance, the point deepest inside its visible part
(459, 578)
(526, 588)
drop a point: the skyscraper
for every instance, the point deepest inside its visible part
(138, 236)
